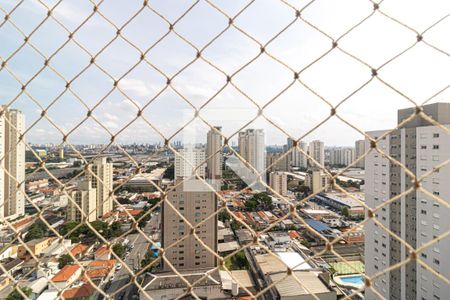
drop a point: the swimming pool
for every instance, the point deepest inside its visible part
(358, 279)
(351, 281)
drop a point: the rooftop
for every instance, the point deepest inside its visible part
(65, 273)
(345, 199)
(83, 291)
(290, 286)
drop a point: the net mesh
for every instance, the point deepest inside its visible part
(23, 45)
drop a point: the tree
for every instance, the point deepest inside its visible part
(119, 250)
(64, 260)
(36, 231)
(223, 216)
(251, 204)
(15, 294)
(148, 259)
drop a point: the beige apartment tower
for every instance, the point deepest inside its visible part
(196, 203)
(278, 182)
(360, 149)
(12, 160)
(86, 198)
(214, 154)
(103, 183)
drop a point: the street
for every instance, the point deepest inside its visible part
(140, 246)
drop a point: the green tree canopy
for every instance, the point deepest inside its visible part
(15, 294)
(64, 260)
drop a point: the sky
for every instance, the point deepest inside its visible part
(419, 73)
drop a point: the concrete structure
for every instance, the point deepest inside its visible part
(297, 158)
(214, 154)
(191, 159)
(195, 204)
(317, 181)
(36, 246)
(317, 152)
(416, 218)
(274, 270)
(339, 201)
(12, 160)
(360, 149)
(252, 148)
(277, 162)
(278, 182)
(85, 196)
(103, 183)
(342, 156)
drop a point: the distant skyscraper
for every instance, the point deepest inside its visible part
(252, 148)
(86, 198)
(191, 158)
(214, 154)
(416, 218)
(342, 156)
(103, 170)
(297, 158)
(316, 151)
(360, 149)
(195, 203)
(12, 159)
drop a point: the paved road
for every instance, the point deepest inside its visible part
(141, 245)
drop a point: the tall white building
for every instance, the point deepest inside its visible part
(296, 158)
(214, 154)
(342, 156)
(190, 160)
(252, 148)
(416, 217)
(317, 151)
(12, 159)
(360, 149)
(103, 183)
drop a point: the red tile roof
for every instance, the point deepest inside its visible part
(293, 234)
(78, 249)
(65, 273)
(102, 250)
(83, 291)
(102, 263)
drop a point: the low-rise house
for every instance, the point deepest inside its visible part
(102, 253)
(36, 247)
(79, 250)
(66, 276)
(57, 248)
(225, 235)
(85, 292)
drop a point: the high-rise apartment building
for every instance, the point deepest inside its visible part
(191, 159)
(416, 218)
(317, 181)
(214, 154)
(342, 156)
(278, 182)
(195, 203)
(252, 148)
(317, 152)
(12, 159)
(296, 158)
(277, 162)
(103, 183)
(360, 149)
(86, 198)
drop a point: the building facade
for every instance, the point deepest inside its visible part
(360, 149)
(296, 158)
(415, 217)
(252, 148)
(317, 152)
(278, 182)
(103, 183)
(12, 159)
(214, 154)
(191, 159)
(342, 156)
(86, 198)
(195, 204)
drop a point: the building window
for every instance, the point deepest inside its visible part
(435, 135)
(435, 147)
